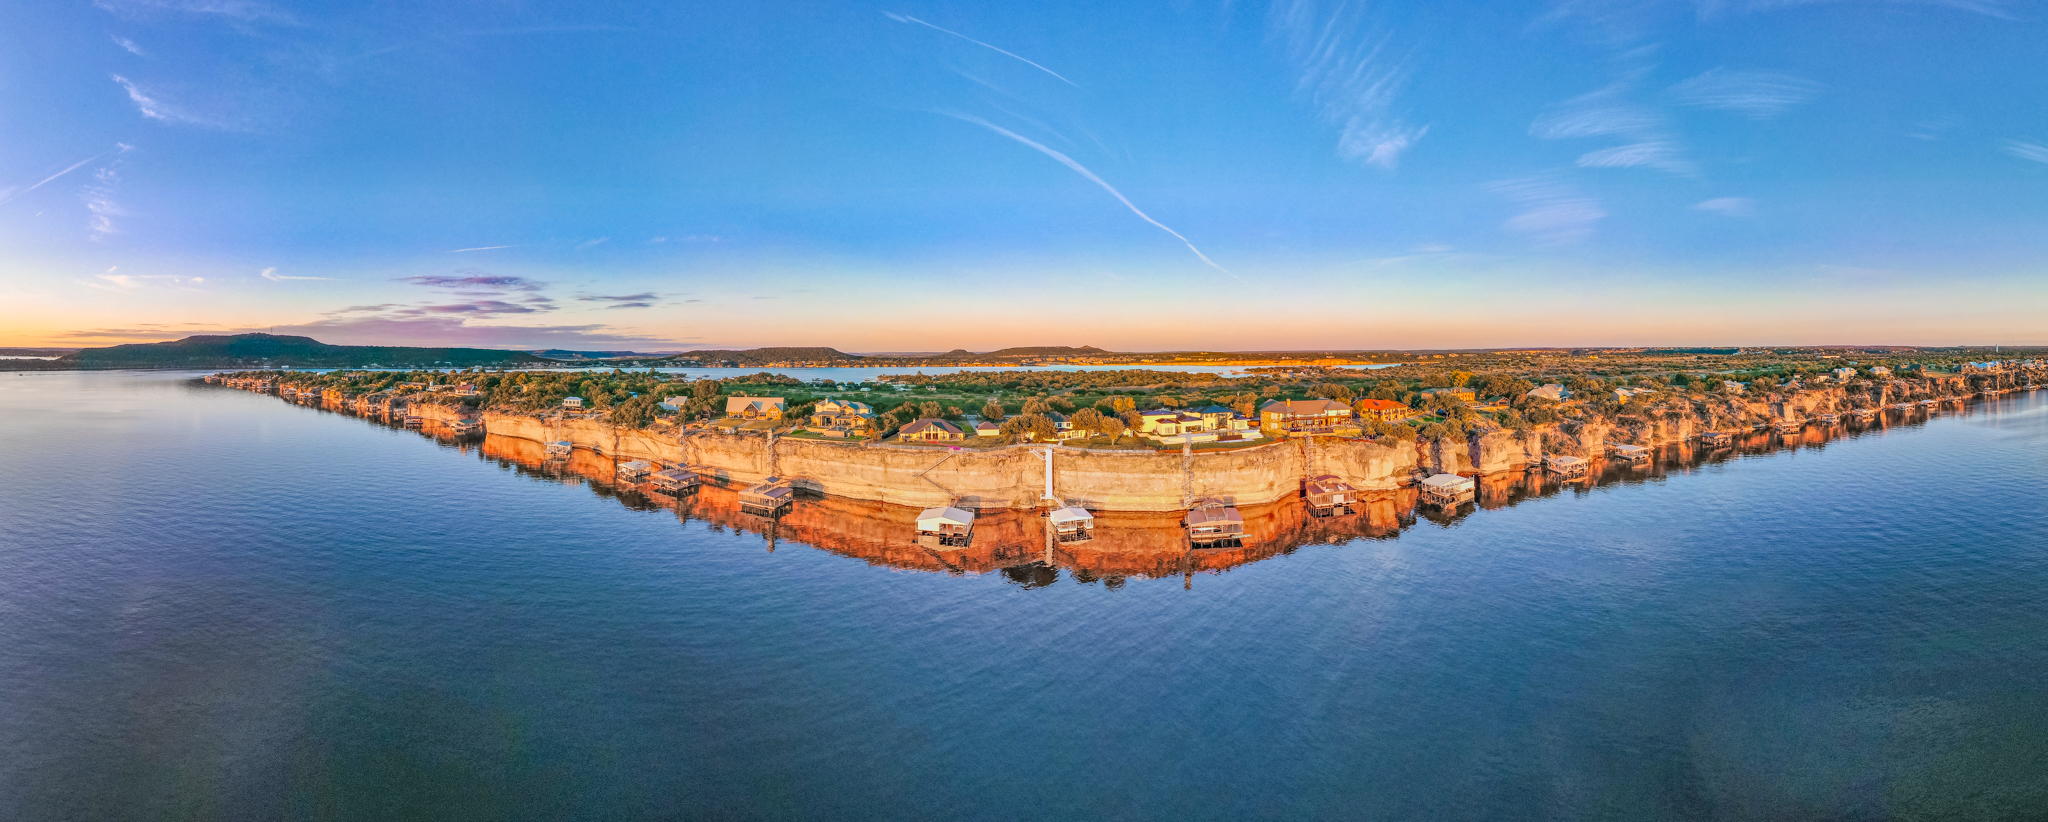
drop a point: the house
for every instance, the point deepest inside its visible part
(560, 449)
(842, 418)
(633, 472)
(1159, 422)
(772, 495)
(1734, 387)
(1880, 371)
(1623, 395)
(1629, 453)
(1549, 391)
(573, 403)
(1383, 410)
(930, 430)
(1844, 374)
(1213, 524)
(1717, 439)
(1326, 494)
(674, 403)
(1218, 418)
(987, 429)
(1072, 524)
(1448, 490)
(1297, 417)
(1062, 427)
(755, 408)
(1565, 466)
(1459, 394)
(673, 481)
(948, 525)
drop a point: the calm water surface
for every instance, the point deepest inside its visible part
(215, 605)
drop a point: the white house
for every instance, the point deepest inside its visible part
(1549, 391)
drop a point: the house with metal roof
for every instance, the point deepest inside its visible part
(949, 526)
(755, 408)
(1447, 490)
(930, 430)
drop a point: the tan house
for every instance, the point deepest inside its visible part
(1297, 417)
(755, 408)
(1459, 394)
(837, 418)
(930, 430)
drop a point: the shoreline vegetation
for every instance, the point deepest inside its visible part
(1101, 441)
(863, 497)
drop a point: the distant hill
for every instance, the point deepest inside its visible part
(259, 350)
(563, 354)
(1048, 351)
(757, 357)
(754, 357)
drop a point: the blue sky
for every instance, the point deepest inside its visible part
(920, 176)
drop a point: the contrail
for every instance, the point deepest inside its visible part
(1069, 161)
(904, 18)
(11, 194)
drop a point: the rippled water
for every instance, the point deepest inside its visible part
(218, 605)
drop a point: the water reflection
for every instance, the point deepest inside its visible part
(1019, 544)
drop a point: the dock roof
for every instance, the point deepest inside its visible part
(948, 515)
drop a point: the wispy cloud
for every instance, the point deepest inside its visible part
(1729, 206)
(473, 279)
(480, 308)
(7, 194)
(135, 332)
(904, 18)
(1554, 213)
(111, 280)
(160, 111)
(1077, 167)
(590, 243)
(1934, 128)
(272, 275)
(129, 45)
(1758, 95)
(1580, 121)
(1658, 154)
(1348, 75)
(690, 238)
(458, 330)
(2027, 150)
(1607, 113)
(645, 299)
(1990, 8)
(100, 204)
(480, 248)
(239, 11)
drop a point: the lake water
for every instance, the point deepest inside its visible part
(220, 606)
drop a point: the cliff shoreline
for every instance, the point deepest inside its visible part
(1014, 477)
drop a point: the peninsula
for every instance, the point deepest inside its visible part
(1156, 441)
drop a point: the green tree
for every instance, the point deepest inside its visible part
(1027, 427)
(637, 412)
(993, 411)
(1331, 391)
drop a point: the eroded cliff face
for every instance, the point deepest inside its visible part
(1011, 477)
(1166, 481)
